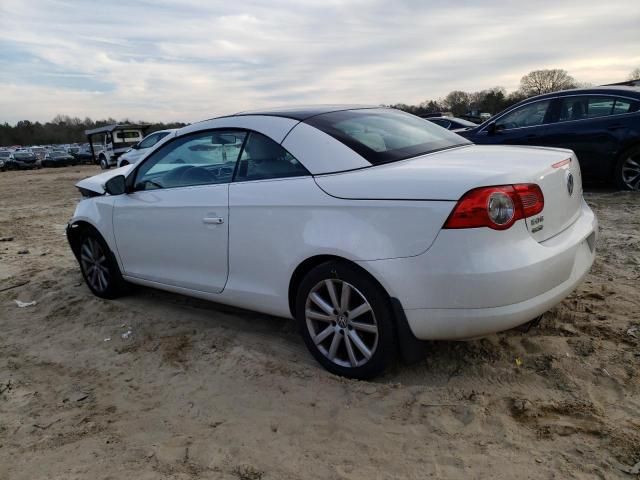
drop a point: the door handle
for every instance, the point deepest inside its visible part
(213, 220)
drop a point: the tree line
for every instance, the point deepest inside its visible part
(61, 130)
(496, 99)
(65, 129)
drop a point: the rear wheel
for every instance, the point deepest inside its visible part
(627, 172)
(346, 320)
(99, 267)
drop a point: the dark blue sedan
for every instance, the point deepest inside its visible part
(601, 125)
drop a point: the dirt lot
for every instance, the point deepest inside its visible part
(202, 391)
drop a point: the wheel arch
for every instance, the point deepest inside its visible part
(620, 157)
(410, 348)
(309, 264)
(75, 231)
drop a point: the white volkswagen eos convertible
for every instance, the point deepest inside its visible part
(371, 227)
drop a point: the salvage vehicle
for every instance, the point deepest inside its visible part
(58, 158)
(601, 125)
(115, 140)
(85, 154)
(39, 152)
(138, 151)
(4, 156)
(371, 227)
(21, 160)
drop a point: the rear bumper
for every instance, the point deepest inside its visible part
(462, 323)
(479, 281)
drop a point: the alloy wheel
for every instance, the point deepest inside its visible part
(631, 172)
(341, 323)
(94, 264)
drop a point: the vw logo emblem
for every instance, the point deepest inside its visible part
(570, 184)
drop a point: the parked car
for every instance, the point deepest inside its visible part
(4, 157)
(58, 158)
(138, 151)
(73, 150)
(39, 152)
(84, 154)
(452, 123)
(601, 125)
(21, 160)
(370, 226)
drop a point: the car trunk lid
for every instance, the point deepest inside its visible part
(449, 174)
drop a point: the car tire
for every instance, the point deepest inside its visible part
(104, 165)
(124, 163)
(360, 346)
(627, 170)
(99, 266)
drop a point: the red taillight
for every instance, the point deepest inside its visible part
(496, 207)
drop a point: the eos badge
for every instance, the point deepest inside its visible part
(570, 183)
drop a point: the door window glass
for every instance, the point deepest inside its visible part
(621, 106)
(202, 158)
(526, 116)
(579, 108)
(152, 139)
(262, 158)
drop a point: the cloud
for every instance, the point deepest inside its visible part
(188, 60)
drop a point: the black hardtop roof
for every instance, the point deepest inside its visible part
(116, 126)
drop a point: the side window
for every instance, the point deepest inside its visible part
(525, 116)
(579, 108)
(150, 141)
(203, 158)
(622, 106)
(262, 158)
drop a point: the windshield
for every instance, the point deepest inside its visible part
(58, 154)
(385, 135)
(22, 155)
(5, 154)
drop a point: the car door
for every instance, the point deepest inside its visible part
(172, 228)
(524, 125)
(590, 126)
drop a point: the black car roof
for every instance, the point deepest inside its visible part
(605, 90)
(302, 113)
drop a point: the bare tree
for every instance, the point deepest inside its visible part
(546, 81)
(635, 74)
(457, 102)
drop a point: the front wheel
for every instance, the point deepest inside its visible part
(104, 164)
(346, 320)
(99, 267)
(627, 171)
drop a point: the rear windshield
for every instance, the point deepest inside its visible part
(385, 135)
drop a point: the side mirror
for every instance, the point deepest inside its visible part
(491, 128)
(116, 185)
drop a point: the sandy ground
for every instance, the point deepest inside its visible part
(203, 391)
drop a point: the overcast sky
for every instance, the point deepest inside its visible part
(169, 60)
